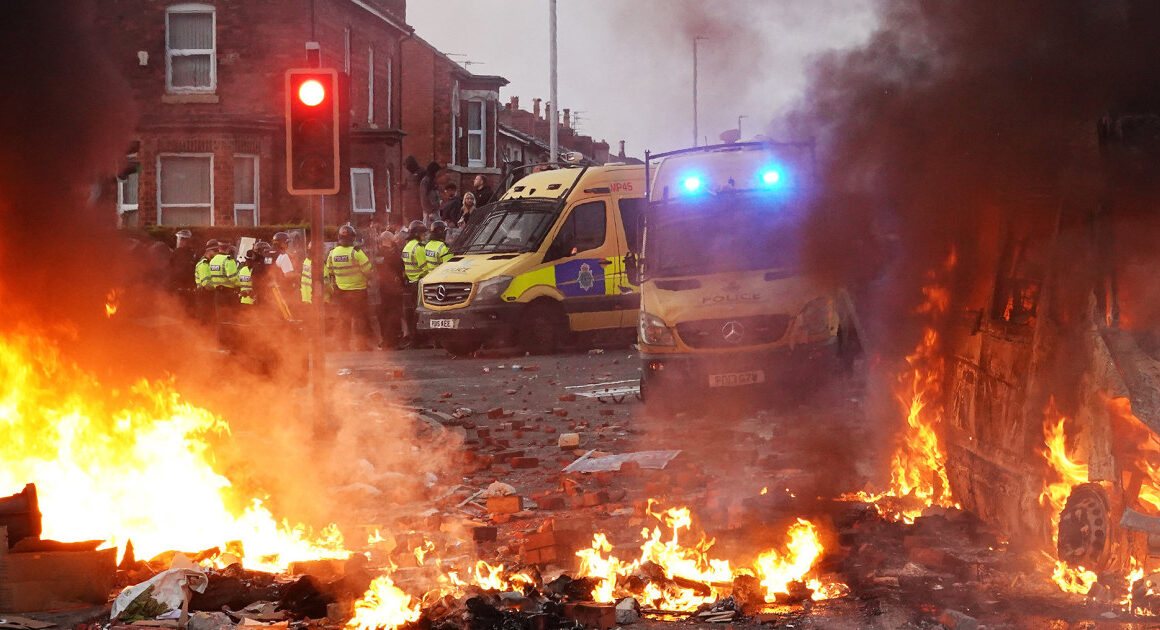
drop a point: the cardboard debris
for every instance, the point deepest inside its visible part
(12, 622)
(160, 594)
(55, 579)
(655, 460)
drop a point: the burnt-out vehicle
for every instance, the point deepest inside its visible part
(1053, 390)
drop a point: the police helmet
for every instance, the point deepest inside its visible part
(253, 256)
(438, 230)
(184, 234)
(416, 228)
(347, 235)
(262, 246)
(282, 239)
(212, 244)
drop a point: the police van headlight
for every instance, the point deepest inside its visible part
(491, 290)
(654, 332)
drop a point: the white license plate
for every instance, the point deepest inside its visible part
(445, 323)
(738, 378)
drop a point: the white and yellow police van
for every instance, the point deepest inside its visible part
(724, 301)
(542, 263)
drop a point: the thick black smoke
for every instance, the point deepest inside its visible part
(65, 121)
(949, 123)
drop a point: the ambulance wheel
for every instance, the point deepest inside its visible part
(543, 327)
(461, 346)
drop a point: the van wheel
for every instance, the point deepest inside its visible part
(542, 328)
(461, 347)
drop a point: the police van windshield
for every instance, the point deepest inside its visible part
(721, 234)
(511, 225)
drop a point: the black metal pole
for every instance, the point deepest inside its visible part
(318, 334)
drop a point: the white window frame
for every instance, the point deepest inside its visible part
(160, 185)
(257, 190)
(390, 95)
(353, 192)
(481, 132)
(389, 197)
(371, 85)
(123, 207)
(181, 52)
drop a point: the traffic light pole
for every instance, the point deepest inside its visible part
(322, 426)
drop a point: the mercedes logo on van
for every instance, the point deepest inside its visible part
(732, 332)
(440, 293)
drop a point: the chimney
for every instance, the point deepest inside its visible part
(567, 118)
(621, 156)
(536, 107)
(515, 103)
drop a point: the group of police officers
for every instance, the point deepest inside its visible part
(254, 288)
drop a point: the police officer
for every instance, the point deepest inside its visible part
(436, 252)
(223, 281)
(350, 269)
(246, 277)
(415, 266)
(201, 282)
(283, 260)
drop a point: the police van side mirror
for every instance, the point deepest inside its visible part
(632, 268)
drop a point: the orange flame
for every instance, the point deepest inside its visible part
(111, 302)
(384, 606)
(1068, 473)
(918, 468)
(129, 465)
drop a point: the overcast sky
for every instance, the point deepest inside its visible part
(627, 65)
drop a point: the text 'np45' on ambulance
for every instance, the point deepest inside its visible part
(541, 265)
(724, 300)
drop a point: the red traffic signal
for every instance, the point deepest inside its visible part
(312, 129)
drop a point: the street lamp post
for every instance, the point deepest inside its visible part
(695, 134)
(739, 126)
(553, 132)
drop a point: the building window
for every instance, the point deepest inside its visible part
(362, 190)
(476, 148)
(246, 190)
(371, 86)
(190, 49)
(127, 201)
(185, 192)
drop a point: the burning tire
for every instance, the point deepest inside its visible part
(1085, 528)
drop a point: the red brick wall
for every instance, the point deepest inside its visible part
(257, 40)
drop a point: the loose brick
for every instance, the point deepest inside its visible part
(525, 462)
(484, 534)
(569, 440)
(504, 505)
(566, 397)
(495, 413)
(560, 411)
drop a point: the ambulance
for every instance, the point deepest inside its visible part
(725, 304)
(543, 265)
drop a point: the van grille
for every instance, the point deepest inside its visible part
(734, 332)
(446, 293)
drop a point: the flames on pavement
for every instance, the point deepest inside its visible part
(918, 477)
(133, 465)
(693, 578)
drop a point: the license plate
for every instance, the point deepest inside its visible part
(738, 378)
(445, 323)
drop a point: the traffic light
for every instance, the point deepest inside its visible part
(312, 128)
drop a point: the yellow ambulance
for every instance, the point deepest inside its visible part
(542, 264)
(724, 302)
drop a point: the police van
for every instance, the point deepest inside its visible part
(542, 264)
(724, 302)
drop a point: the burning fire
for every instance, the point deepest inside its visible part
(130, 465)
(693, 577)
(112, 299)
(918, 468)
(1068, 473)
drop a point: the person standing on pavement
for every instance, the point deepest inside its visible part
(415, 267)
(350, 269)
(452, 207)
(392, 290)
(182, 267)
(481, 190)
(223, 279)
(469, 205)
(201, 283)
(436, 251)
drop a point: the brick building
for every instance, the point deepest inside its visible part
(525, 136)
(208, 81)
(450, 114)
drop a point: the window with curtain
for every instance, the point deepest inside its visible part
(362, 190)
(127, 201)
(185, 192)
(246, 190)
(190, 49)
(475, 134)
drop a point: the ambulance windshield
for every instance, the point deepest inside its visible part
(723, 234)
(510, 226)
